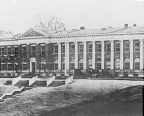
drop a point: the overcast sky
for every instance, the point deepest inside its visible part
(20, 15)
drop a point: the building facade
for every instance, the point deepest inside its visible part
(117, 50)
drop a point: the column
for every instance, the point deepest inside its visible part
(84, 55)
(59, 56)
(66, 58)
(102, 54)
(141, 54)
(93, 55)
(112, 54)
(131, 55)
(76, 55)
(121, 55)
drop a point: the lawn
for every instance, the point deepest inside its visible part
(71, 99)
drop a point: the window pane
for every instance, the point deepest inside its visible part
(72, 66)
(55, 66)
(24, 67)
(63, 66)
(63, 48)
(98, 65)
(55, 49)
(16, 51)
(137, 65)
(10, 67)
(127, 65)
(117, 49)
(81, 66)
(9, 51)
(2, 51)
(80, 48)
(42, 66)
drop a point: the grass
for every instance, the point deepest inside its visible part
(125, 102)
(81, 98)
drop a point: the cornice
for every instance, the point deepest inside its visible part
(68, 36)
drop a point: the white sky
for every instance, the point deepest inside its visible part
(20, 15)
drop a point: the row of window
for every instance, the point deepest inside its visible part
(98, 47)
(33, 50)
(15, 51)
(11, 67)
(72, 66)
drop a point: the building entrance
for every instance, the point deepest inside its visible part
(33, 65)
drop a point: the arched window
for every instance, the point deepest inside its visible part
(137, 64)
(117, 64)
(72, 64)
(127, 64)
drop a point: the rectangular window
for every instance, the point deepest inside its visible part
(9, 51)
(136, 46)
(63, 66)
(98, 65)
(33, 50)
(63, 48)
(16, 67)
(55, 66)
(24, 50)
(72, 48)
(81, 66)
(42, 66)
(80, 48)
(108, 47)
(126, 46)
(137, 65)
(55, 48)
(90, 48)
(3, 66)
(117, 47)
(10, 67)
(16, 50)
(72, 66)
(42, 50)
(2, 51)
(98, 47)
(127, 65)
(24, 66)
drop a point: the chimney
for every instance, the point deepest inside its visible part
(82, 28)
(126, 25)
(134, 25)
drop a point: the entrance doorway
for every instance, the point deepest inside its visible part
(33, 65)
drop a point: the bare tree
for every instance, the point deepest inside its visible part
(2, 32)
(50, 25)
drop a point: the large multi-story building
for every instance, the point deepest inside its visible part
(118, 50)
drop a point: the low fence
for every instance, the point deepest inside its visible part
(19, 89)
(50, 80)
(68, 80)
(32, 80)
(16, 80)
